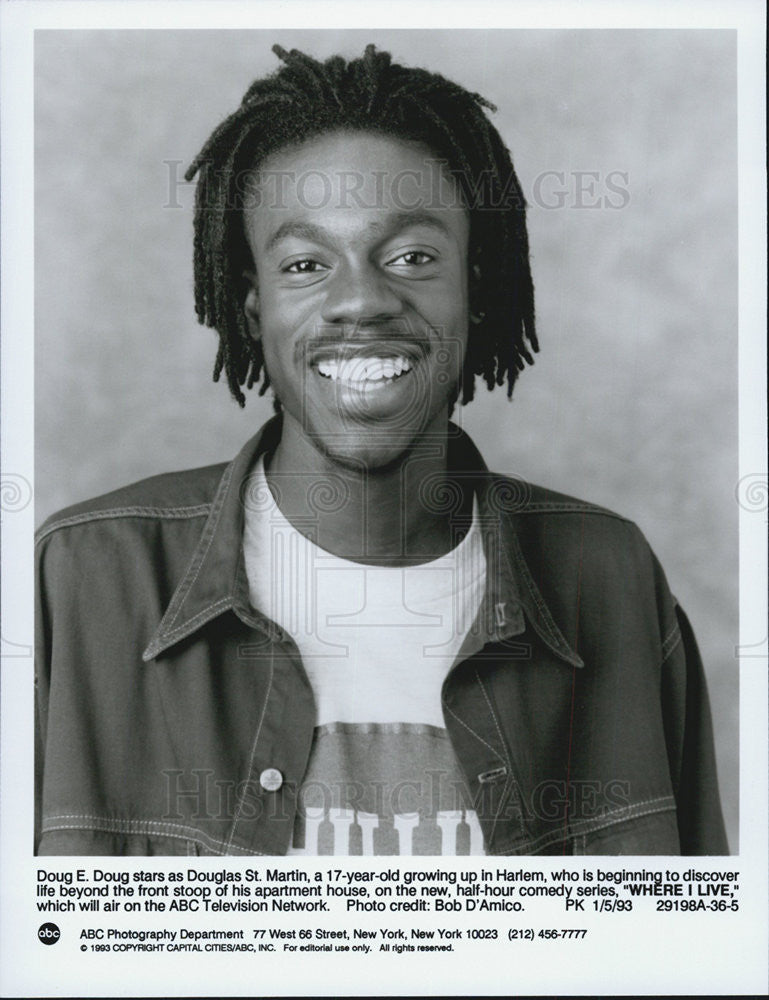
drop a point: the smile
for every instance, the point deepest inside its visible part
(365, 371)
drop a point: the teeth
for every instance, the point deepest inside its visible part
(364, 369)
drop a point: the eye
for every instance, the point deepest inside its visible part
(304, 266)
(411, 258)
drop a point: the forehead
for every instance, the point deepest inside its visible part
(353, 179)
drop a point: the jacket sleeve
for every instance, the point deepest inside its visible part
(689, 736)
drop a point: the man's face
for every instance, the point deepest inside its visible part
(360, 292)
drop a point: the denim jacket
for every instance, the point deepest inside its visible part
(576, 707)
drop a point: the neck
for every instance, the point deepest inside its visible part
(393, 515)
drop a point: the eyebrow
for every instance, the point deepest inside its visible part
(394, 225)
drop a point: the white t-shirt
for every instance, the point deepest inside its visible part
(376, 643)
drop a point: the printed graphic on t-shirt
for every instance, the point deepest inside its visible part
(376, 644)
(384, 789)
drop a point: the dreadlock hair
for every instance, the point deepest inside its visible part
(305, 98)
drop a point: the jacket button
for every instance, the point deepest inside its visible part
(271, 779)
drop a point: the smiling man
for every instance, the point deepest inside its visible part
(361, 311)
(354, 639)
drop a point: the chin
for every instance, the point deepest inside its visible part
(373, 450)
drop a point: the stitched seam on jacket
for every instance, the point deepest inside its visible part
(465, 726)
(667, 804)
(216, 507)
(544, 614)
(105, 824)
(543, 507)
(239, 808)
(578, 845)
(671, 641)
(115, 513)
(512, 782)
(542, 609)
(664, 804)
(613, 819)
(200, 618)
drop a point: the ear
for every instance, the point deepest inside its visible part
(251, 305)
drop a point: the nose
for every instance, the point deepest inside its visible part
(360, 294)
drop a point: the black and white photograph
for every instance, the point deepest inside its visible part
(371, 632)
(389, 481)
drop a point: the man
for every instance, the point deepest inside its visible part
(354, 639)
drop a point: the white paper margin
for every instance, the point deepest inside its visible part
(719, 956)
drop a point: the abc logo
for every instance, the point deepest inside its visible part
(48, 933)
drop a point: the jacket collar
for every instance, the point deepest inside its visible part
(215, 579)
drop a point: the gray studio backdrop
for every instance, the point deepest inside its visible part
(625, 143)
